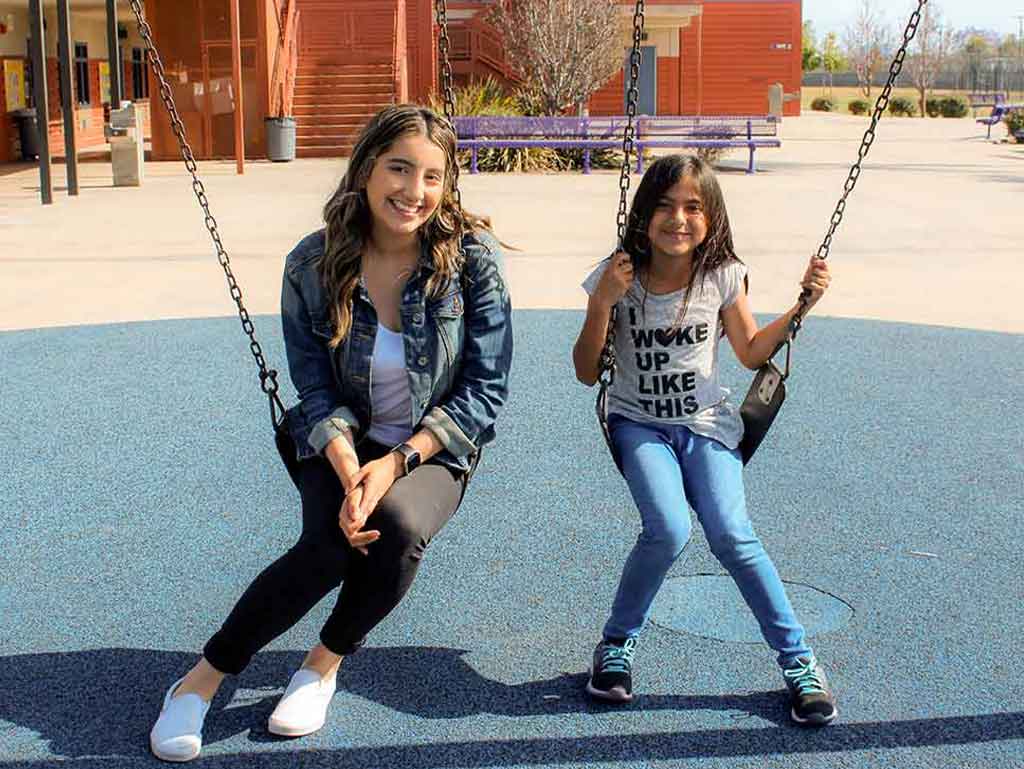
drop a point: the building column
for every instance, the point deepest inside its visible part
(401, 53)
(67, 95)
(236, 79)
(38, 52)
(114, 56)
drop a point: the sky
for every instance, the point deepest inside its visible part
(998, 15)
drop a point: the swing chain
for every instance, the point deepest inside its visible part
(268, 377)
(447, 86)
(607, 361)
(869, 137)
(632, 97)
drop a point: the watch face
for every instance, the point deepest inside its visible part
(412, 461)
(411, 457)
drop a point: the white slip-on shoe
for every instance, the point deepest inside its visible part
(177, 734)
(303, 708)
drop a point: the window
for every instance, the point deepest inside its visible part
(140, 75)
(81, 65)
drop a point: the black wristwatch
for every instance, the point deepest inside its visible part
(410, 457)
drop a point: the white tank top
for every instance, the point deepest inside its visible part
(389, 390)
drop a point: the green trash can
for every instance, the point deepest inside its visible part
(280, 138)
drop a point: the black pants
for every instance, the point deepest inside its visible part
(407, 517)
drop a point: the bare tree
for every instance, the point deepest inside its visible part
(564, 50)
(930, 51)
(867, 40)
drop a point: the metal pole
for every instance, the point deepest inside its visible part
(67, 104)
(236, 78)
(35, 12)
(114, 55)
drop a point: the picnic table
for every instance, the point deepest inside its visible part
(589, 133)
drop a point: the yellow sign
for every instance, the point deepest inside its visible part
(105, 82)
(14, 83)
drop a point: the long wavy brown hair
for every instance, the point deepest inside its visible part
(717, 247)
(349, 221)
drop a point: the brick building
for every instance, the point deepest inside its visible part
(90, 71)
(332, 64)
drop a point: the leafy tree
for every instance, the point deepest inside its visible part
(811, 56)
(1010, 46)
(832, 59)
(975, 49)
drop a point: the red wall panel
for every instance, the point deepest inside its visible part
(730, 55)
(740, 56)
(668, 85)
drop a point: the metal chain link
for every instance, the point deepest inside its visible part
(444, 45)
(869, 137)
(632, 97)
(268, 377)
(607, 362)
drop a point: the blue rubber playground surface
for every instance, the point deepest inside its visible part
(142, 493)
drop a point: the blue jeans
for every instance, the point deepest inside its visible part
(667, 466)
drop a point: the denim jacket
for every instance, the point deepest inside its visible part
(458, 351)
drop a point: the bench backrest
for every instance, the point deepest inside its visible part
(987, 98)
(710, 126)
(714, 126)
(519, 127)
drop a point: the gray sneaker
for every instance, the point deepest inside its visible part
(811, 700)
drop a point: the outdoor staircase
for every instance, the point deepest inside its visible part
(334, 101)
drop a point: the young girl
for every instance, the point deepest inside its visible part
(397, 328)
(678, 284)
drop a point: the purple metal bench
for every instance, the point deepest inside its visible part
(999, 113)
(590, 133)
(716, 131)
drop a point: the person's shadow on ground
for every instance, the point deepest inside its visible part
(97, 706)
(104, 701)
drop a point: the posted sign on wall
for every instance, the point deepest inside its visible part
(14, 83)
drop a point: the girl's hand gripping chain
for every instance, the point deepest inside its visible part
(615, 281)
(816, 280)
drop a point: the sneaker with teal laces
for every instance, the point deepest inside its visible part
(811, 700)
(611, 673)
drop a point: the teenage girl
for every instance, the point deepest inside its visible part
(397, 327)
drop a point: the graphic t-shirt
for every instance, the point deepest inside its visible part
(667, 366)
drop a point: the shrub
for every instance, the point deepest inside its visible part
(954, 106)
(488, 97)
(823, 104)
(480, 97)
(599, 158)
(902, 106)
(933, 107)
(859, 106)
(712, 155)
(1015, 124)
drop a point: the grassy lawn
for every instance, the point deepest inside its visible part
(843, 96)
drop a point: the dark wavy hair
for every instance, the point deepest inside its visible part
(349, 220)
(715, 250)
